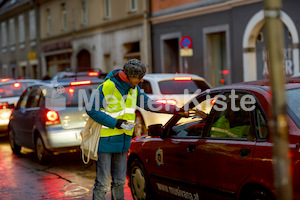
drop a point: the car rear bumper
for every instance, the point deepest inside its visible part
(4, 124)
(61, 139)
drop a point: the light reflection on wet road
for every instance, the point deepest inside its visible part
(66, 177)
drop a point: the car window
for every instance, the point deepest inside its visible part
(23, 99)
(13, 89)
(178, 87)
(193, 125)
(293, 105)
(232, 121)
(146, 86)
(67, 95)
(262, 125)
(34, 97)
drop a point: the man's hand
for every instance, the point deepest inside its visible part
(119, 123)
(200, 113)
(182, 112)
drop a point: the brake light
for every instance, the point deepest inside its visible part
(3, 105)
(5, 80)
(168, 101)
(213, 102)
(182, 78)
(71, 90)
(225, 72)
(81, 83)
(93, 74)
(52, 117)
(17, 85)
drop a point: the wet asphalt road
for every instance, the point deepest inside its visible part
(65, 177)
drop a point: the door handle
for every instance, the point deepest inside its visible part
(191, 148)
(244, 152)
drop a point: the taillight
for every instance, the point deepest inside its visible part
(213, 102)
(52, 117)
(3, 105)
(17, 85)
(225, 72)
(168, 101)
(5, 80)
(71, 90)
(182, 78)
(93, 74)
(81, 83)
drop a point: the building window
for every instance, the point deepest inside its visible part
(133, 5)
(107, 9)
(32, 25)
(11, 31)
(3, 34)
(48, 22)
(83, 12)
(63, 16)
(21, 29)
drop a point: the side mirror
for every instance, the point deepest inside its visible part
(155, 130)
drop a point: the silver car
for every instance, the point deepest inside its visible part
(48, 118)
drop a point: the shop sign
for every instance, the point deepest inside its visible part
(31, 56)
(57, 46)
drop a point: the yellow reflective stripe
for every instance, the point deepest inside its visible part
(224, 131)
(219, 129)
(232, 134)
(120, 113)
(129, 110)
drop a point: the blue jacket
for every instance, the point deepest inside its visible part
(119, 143)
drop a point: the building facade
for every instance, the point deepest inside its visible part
(19, 39)
(228, 38)
(92, 34)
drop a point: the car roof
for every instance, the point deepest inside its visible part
(262, 84)
(162, 76)
(67, 81)
(20, 81)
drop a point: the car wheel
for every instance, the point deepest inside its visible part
(259, 194)
(140, 127)
(41, 152)
(139, 183)
(16, 149)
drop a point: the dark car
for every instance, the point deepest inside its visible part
(10, 92)
(48, 118)
(225, 155)
(66, 75)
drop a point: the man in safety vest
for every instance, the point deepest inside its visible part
(119, 96)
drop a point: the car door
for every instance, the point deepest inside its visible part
(31, 114)
(224, 159)
(175, 166)
(17, 121)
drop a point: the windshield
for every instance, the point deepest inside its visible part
(293, 103)
(13, 89)
(178, 87)
(182, 126)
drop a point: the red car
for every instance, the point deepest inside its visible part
(225, 155)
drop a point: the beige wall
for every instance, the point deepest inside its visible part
(122, 27)
(96, 15)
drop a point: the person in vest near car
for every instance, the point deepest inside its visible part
(122, 94)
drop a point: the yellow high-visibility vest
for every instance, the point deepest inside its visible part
(117, 108)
